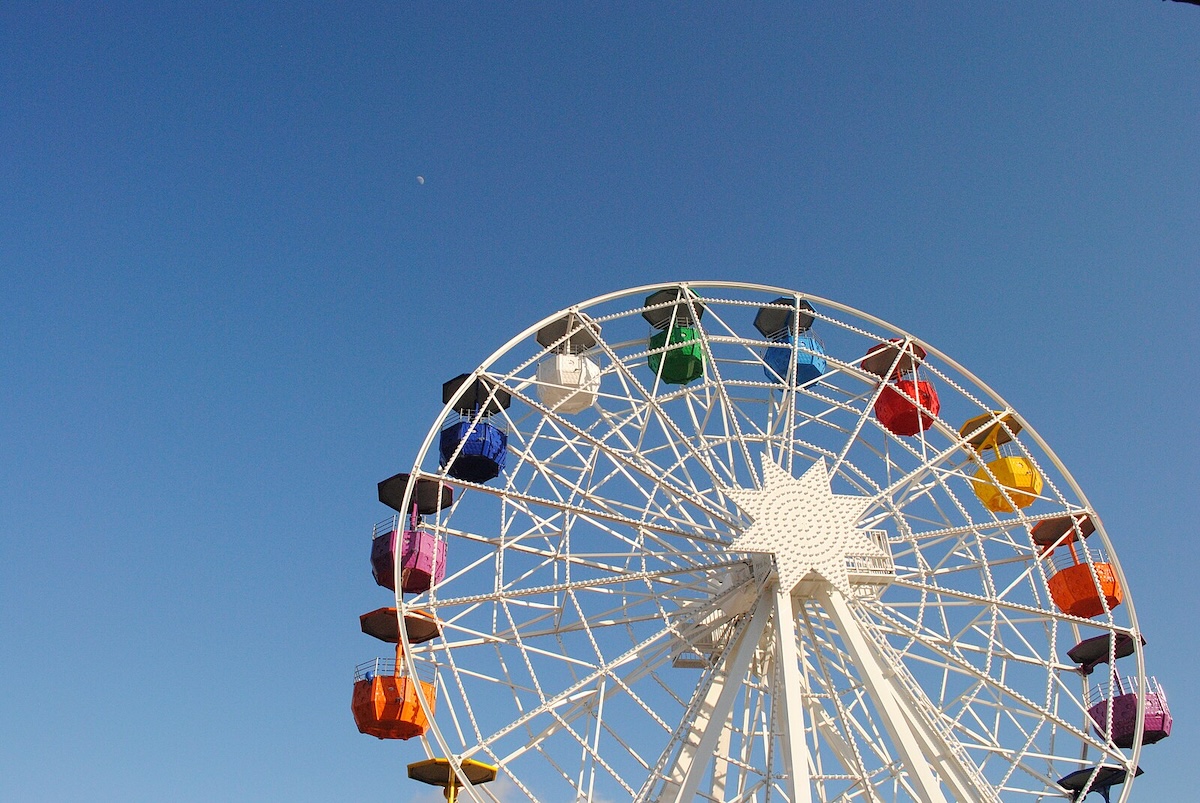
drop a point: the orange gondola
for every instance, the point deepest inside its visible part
(385, 701)
(1083, 583)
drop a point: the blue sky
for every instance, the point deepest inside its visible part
(227, 306)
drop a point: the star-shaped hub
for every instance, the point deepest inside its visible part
(810, 530)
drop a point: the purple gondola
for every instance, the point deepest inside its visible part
(1123, 697)
(422, 555)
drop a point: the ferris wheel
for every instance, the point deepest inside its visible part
(725, 542)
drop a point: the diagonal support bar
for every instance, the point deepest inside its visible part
(790, 698)
(897, 724)
(944, 752)
(825, 725)
(700, 744)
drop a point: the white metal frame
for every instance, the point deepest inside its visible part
(577, 579)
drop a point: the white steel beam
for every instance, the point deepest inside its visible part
(946, 755)
(790, 698)
(700, 743)
(895, 721)
(720, 771)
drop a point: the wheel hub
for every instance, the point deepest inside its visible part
(811, 532)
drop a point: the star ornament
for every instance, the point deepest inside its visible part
(807, 527)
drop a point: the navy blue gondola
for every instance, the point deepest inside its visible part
(473, 449)
(481, 457)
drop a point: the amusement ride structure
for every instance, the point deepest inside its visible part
(724, 542)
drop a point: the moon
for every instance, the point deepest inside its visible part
(420, 179)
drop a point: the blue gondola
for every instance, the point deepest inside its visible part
(788, 321)
(810, 359)
(481, 457)
(471, 447)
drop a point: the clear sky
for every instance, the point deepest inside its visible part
(227, 305)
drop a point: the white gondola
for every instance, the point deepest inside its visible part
(568, 381)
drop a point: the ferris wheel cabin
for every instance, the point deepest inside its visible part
(676, 354)
(1008, 481)
(1121, 697)
(789, 323)
(568, 381)
(1081, 581)
(422, 553)
(385, 702)
(1118, 698)
(471, 446)
(905, 406)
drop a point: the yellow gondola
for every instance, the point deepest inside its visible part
(1006, 482)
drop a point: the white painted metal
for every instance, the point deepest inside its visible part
(602, 597)
(707, 723)
(791, 699)
(899, 727)
(810, 530)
